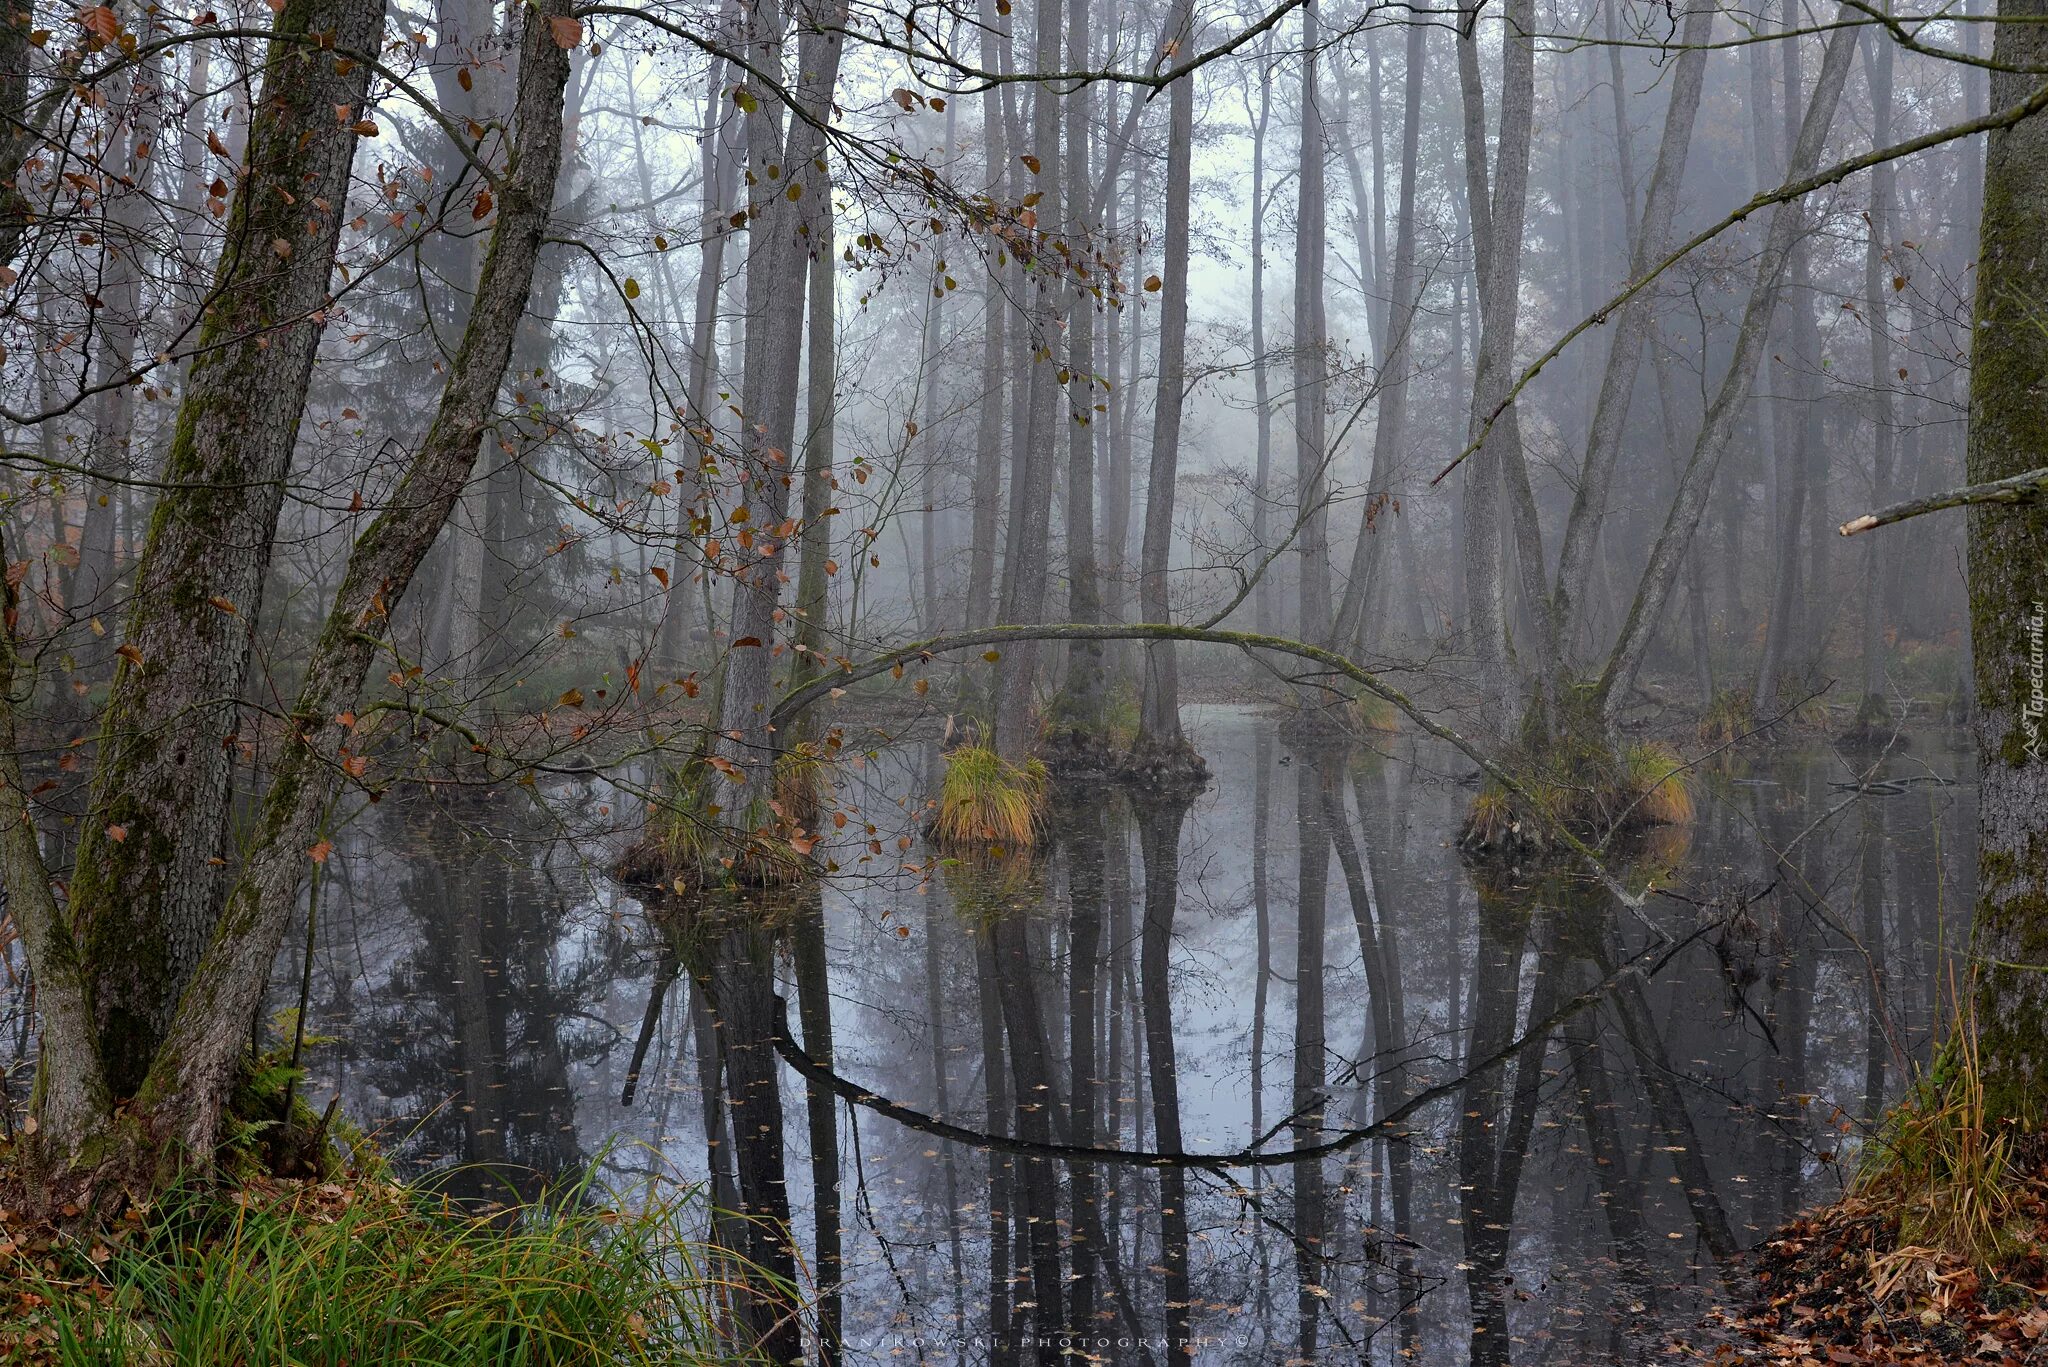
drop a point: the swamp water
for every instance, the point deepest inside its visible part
(1591, 1111)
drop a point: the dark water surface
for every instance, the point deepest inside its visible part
(1298, 953)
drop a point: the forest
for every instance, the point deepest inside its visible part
(1016, 681)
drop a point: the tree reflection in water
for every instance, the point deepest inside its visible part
(1160, 976)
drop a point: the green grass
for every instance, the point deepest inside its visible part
(328, 1274)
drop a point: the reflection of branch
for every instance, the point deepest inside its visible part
(2031, 487)
(1388, 1126)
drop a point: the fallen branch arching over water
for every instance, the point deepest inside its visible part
(1254, 1155)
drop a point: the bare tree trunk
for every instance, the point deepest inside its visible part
(1496, 215)
(1026, 558)
(1781, 443)
(112, 428)
(776, 254)
(1159, 732)
(719, 169)
(1262, 385)
(1696, 483)
(1084, 684)
(1876, 303)
(72, 1098)
(1311, 341)
(1632, 325)
(929, 481)
(1390, 434)
(810, 649)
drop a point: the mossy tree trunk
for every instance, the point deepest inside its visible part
(179, 1084)
(149, 878)
(2008, 581)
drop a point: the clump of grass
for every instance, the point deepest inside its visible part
(800, 784)
(1943, 1161)
(1573, 776)
(1656, 776)
(326, 1274)
(1729, 716)
(1492, 820)
(985, 800)
(1371, 712)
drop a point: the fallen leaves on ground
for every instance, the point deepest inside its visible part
(1837, 1286)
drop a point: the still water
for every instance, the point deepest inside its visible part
(1542, 1124)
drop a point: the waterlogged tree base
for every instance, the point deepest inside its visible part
(1874, 727)
(1168, 765)
(1586, 788)
(659, 864)
(1078, 753)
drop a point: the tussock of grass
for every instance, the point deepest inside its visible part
(799, 784)
(1492, 820)
(1370, 712)
(326, 1274)
(1944, 1162)
(1657, 776)
(987, 801)
(1728, 716)
(1576, 778)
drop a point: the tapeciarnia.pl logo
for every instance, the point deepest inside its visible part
(2036, 704)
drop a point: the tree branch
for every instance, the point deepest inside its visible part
(2030, 487)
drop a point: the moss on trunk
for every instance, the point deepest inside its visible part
(2008, 580)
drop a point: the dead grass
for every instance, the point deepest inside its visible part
(987, 801)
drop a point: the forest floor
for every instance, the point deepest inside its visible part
(1838, 1285)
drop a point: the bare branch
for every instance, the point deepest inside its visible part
(2030, 487)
